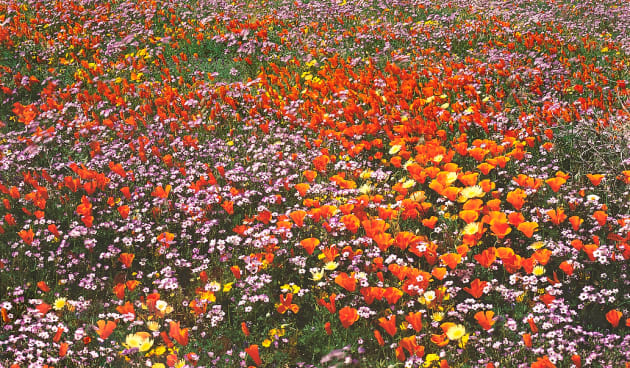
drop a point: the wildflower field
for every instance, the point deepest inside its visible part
(314, 183)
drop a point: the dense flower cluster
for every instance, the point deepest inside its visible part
(314, 183)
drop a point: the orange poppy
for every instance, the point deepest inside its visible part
(613, 317)
(388, 324)
(43, 287)
(500, 229)
(474, 204)
(330, 305)
(542, 256)
(439, 272)
(310, 175)
(351, 222)
(415, 320)
(286, 304)
(105, 328)
(528, 228)
(63, 349)
(43, 308)
(119, 291)
(410, 344)
(485, 168)
(126, 259)
(487, 257)
(577, 360)
(123, 211)
(58, 334)
(228, 206)
(161, 192)
(53, 230)
(131, 284)
(516, 198)
(374, 226)
(405, 239)
(532, 325)
(253, 353)
(485, 319)
(575, 221)
(126, 308)
(298, 217)
(245, 329)
(175, 332)
(439, 340)
(347, 282)
(379, 338)
(556, 183)
(516, 218)
(451, 259)
(468, 216)
(601, 217)
(302, 188)
(590, 249)
(595, 179)
(27, 236)
(430, 222)
(557, 216)
(309, 244)
(348, 316)
(392, 295)
(476, 288)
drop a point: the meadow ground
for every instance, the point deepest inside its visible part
(286, 183)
